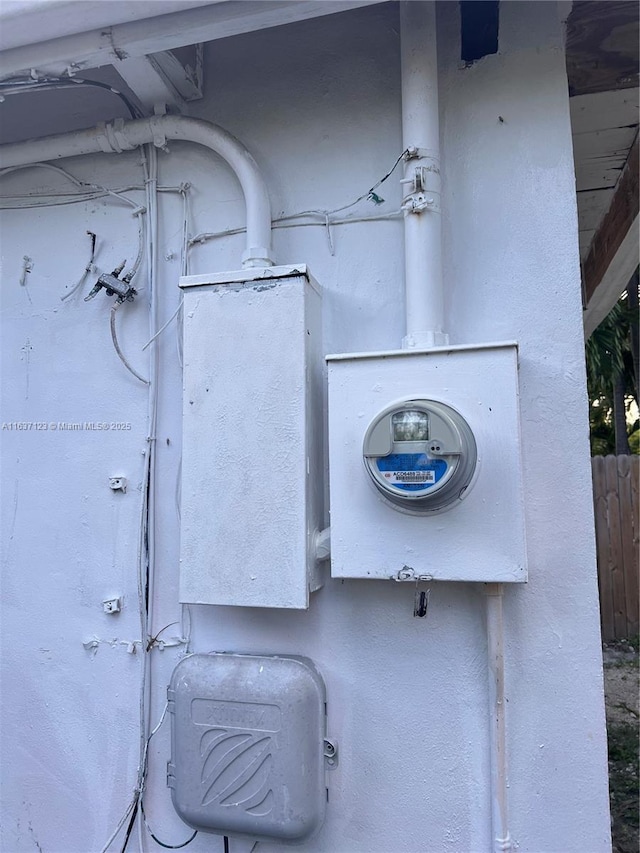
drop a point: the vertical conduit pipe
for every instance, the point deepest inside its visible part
(501, 839)
(424, 294)
(421, 203)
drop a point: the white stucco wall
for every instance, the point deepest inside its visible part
(318, 106)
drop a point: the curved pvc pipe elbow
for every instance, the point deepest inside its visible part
(123, 135)
(258, 207)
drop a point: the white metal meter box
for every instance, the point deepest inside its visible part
(425, 467)
(252, 491)
(248, 746)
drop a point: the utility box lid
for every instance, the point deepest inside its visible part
(247, 745)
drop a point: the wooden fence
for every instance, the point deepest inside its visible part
(615, 498)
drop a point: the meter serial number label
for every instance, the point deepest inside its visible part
(410, 476)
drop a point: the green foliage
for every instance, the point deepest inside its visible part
(610, 370)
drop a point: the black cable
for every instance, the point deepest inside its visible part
(67, 83)
(132, 820)
(226, 844)
(157, 840)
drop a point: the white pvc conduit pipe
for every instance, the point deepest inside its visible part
(424, 294)
(125, 136)
(421, 137)
(495, 649)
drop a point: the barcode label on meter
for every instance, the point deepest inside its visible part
(411, 476)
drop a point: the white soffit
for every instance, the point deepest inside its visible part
(29, 21)
(109, 42)
(604, 126)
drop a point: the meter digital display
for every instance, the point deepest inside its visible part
(420, 454)
(410, 425)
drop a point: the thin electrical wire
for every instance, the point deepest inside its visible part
(116, 345)
(143, 633)
(131, 824)
(150, 166)
(146, 546)
(183, 260)
(21, 203)
(151, 182)
(144, 776)
(178, 494)
(88, 268)
(141, 828)
(324, 215)
(76, 181)
(152, 248)
(18, 85)
(186, 218)
(142, 573)
(145, 535)
(52, 200)
(157, 840)
(69, 197)
(10, 169)
(179, 338)
(184, 269)
(121, 823)
(369, 194)
(279, 223)
(161, 330)
(141, 233)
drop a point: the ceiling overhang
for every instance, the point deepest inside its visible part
(136, 39)
(602, 72)
(110, 45)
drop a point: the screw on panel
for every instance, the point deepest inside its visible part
(331, 753)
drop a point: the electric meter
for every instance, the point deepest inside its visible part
(420, 454)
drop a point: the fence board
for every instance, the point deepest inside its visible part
(615, 564)
(628, 546)
(602, 546)
(615, 497)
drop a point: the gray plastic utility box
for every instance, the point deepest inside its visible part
(247, 745)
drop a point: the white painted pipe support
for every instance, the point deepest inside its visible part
(495, 649)
(124, 136)
(422, 183)
(322, 544)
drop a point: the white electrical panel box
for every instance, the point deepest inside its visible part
(252, 491)
(425, 467)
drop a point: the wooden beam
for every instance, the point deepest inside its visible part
(602, 46)
(613, 255)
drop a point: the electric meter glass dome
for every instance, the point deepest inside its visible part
(420, 454)
(410, 425)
